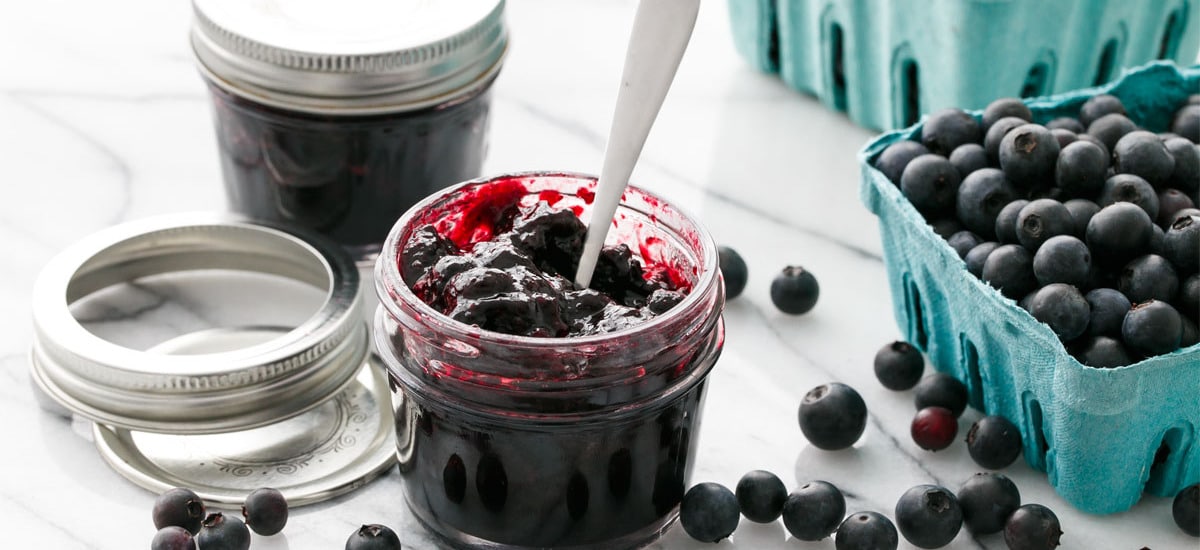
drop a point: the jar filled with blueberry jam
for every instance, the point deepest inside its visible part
(531, 412)
(339, 116)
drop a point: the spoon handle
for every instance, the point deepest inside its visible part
(661, 31)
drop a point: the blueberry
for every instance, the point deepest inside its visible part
(1190, 333)
(1184, 212)
(941, 390)
(896, 156)
(982, 195)
(1158, 239)
(963, 241)
(968, 158)
(1098, 106)
(709, 512)
(733, 270)
(1143, 154)
(1152, 328)
(1081, 211)
(1003, 108)
(946, 227)
(898, 366)
(1063, 308)
(1028, 155)
(760, 496)
(1118, 233)
(977, 256)
(945, 130)
(1080, 169)
(794, 290)
(1187, 123)
(995, 135)
(934, 428)
(1006, 221)
(866, 531)
(1103, 352)
(1066, 123)
(179, 507)
(930, 183)
(987, 499)
(266, 511)
(1186, 509)
(832, 416)
(994, 442)
(1042, 219)
(1186, 176)
(1132, 189)
(1181, 244)
(1009, 268)
(221, 532)
(1109, 129)
(814, 511)
(1108, 308)
(1097, 142)
(1032, 527)
(1064, 137)
(928, 516)
(373, 537)
(1171, 202)
(1189, 297)
(1149, 277)
(173, 537)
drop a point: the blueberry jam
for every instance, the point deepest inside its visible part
(583, 437)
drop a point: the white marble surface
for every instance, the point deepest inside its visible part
(103, 119)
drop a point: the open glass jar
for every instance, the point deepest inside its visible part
(337, 117)
(580, 442)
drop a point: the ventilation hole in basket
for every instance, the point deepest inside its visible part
(916, 317)
(1108, 62)
(837, 66)
(1167, 464)
(910, 90)
(1035, 80)
(773, 48)
(1033, 418)
(1171, 33)
(970, 357)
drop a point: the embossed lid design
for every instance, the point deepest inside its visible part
(352, 57)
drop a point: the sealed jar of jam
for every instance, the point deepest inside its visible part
(339, 116)
(529, 412)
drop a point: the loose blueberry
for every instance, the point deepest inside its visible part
(179, 507)
(373, 537)
(1028, 155)
(1062, 259)
(1066, 123)
(1132, 189)
(963, 241)
(968, 158)
(941, 390)
(987, 499)
(733, 270)
(994, 442)
(977, 256)
(709, 512)
(899, 365)
(1118, 233)
(1186, 176)
(221, 532)
(995, 135)
(945, 130)
(1103, 352)
(1063, 308)
(795, 291)
(982, 195)
(814, 511)
(1171, 202)
(1152, 328)
(1149, 277)
(1080, 169)
(931, 183)
(1032, 527)
(1181, 244)
(1042, 219)
(1143, 154)
(832, 416)
(866, 531)
(173, 537)
(1187, 123)
(1109, 129)
(928, 516)
(1108, 308)
(934, 428)
(1003, 108)
(266, 511)
(760, 495)
(1009, 268)
(1186, 509)
(896, 157)
(1098, 106)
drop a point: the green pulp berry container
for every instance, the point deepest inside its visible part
(887, 62)
(1103, 436)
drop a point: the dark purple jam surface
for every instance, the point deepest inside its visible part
(349, 177)
(519, 281)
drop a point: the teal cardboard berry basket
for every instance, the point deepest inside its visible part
(886, 62)
(1095, 432)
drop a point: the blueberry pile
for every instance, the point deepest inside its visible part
(1090, 223)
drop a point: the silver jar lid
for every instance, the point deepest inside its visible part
(356, 57)
(236, 389)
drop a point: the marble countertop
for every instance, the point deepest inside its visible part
(103, 119)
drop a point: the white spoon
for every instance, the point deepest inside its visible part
(661, 31)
